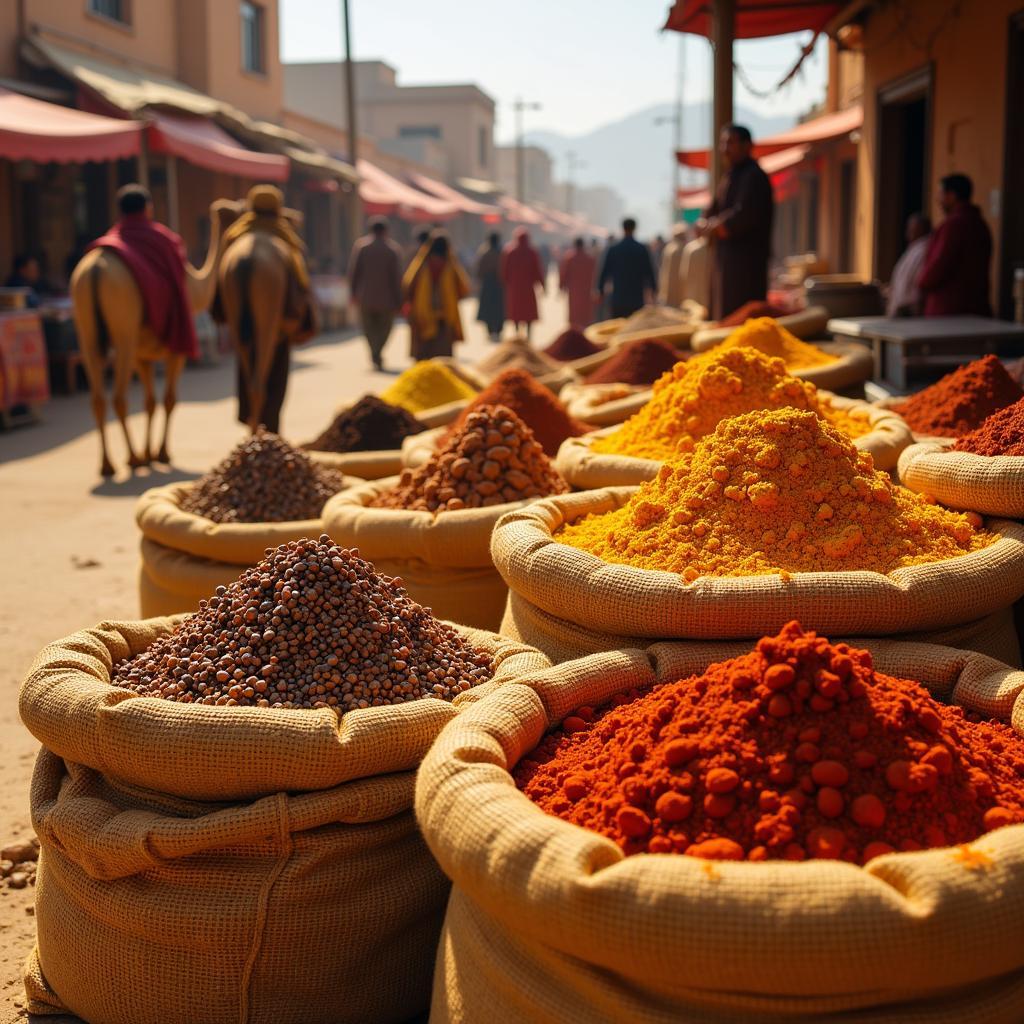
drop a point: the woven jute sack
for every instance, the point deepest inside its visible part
(894, 404)
(567, 602)
(444, 560)
(242, 865)
(604, 405)
(549, 922)
(185, 557)
(990, 484)
(585, 469)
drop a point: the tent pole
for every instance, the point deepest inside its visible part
(723, 28)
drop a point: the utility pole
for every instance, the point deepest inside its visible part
(574, 165)
(350, 116)
(519, 106)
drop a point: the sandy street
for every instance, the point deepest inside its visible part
(69, 546)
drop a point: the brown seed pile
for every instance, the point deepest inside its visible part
(264, 480)
(311, 626)
(18, 863)
(493, 459)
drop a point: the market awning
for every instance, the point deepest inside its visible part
(382, 193)
(754, 18)
(819, 129)
(201, 142)
(35, 130)
(773, 165)
(439, 190)
(519, 213)
(479, 186)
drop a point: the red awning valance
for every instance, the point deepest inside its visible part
(754, 18)
(772, 165)
(381, 193)
(32, 129)
(439, 190)
(519, 213)
(207, 145)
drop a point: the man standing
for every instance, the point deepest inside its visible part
(627, 266)
(740, 222)
(904, 294)
(576, 279)
(521, 272)
(376, 283)
(955, 281)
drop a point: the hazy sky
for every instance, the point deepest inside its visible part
(586, 61)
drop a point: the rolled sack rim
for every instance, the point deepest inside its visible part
(989, 484)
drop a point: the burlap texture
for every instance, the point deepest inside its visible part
(893, 403)
(362, 465)
(990, 484)
(444, 560)
(227, 864)
(554, 581)
(586, 469)
(419, 448)
(171, 582)
(548, 922)
(604, 405)
(811, 322)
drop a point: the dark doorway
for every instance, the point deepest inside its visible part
(847, 202)
(904, 121)
(1012, 247)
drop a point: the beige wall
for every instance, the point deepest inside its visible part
(8, 39)
(968, 56)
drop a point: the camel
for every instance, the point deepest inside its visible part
(108, 306)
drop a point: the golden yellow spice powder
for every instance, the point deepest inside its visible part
(771, 338)
(775, 492)
(425, 386)
(689, 401)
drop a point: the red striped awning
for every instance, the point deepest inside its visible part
(383, 194)
(755, 19)
(519, 213)
(439, 190)
(772, 165)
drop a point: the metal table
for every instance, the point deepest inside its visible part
(900, 343)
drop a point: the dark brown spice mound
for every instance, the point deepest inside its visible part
(571, 344)
(368, 426)
(637, 362)
(313, 625)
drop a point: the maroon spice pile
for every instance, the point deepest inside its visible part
(1001, 434)
(638, 362)
(571, 344)
(370, 425)
(750, 311)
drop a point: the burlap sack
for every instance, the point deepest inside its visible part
(893, 403)
(549, 922)
(566, 601)
(805, 324)
(604, 405)
(585, 469)
(182, 554)
(990, 484)
(444, 560)
(227, 864)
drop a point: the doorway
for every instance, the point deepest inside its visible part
(1012, 247)
(904, 134)
(847, 205)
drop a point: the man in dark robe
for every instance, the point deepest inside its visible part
(739, 221)
(627, 267)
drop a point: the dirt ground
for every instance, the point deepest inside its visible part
(69, 545)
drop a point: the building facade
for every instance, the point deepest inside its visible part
(538, 173)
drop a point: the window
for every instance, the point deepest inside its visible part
(482, 146)
(419, 131)
(252, 37)
(115, 10)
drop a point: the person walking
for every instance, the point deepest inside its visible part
(491, 310)
(375, 281)
(576, 279)
(433, 286)
(904, 295)
(520, 274)
(628, 269)
(739, 221)
(955, 277)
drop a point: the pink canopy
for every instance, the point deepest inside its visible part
(439, 190)
(383, 194)
(519, 213)
(700, 198)
(205, 144)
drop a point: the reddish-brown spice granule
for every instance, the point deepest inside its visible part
(749, 311)
(571, 344)
(537, 406)
(1001, 434)
(638, 362)
(798, 749)
(962, 400)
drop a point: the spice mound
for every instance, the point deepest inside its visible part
(427, 385)
(799, 749)
(571, 344)
(653, 318)
(536, 405)
(962, 400)
(264, 480)
(774, 492)
(749, 311)
(770, 337)
(369, 425)
(690, 401)
(638, 362)
(516, 354)
(311, 626)
(493, 459)
(1001, 434)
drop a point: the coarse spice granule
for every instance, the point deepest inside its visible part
(774, 492)
(799, 749)
(1001, 434)
(369, 425)
(427, 385)
(771, 338)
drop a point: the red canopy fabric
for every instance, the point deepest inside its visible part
(754, 18)
(820, 129)
(205, 144)
(439, 190)
(772, 165)
(519, 213)
(32, 129)
(381, 193)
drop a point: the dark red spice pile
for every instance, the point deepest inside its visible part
(638, 362)
(370, 425)
(797, 749)
(749, 311)
(1001, 434)
(571, 344)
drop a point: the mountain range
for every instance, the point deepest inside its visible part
(634, 154)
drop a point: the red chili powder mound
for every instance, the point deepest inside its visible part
(571, 344)
(638, 362)
(797, 749)
(962, 400)
(750, 311)
(537, 406)
(1001, 434)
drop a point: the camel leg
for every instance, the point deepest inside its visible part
(145, 371)
(267, 307)
(175, 364)
(124, 367)
(86, 329)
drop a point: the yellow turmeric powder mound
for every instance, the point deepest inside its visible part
(692, 398)
(775, 492)
(426, 385)
(770, 337)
